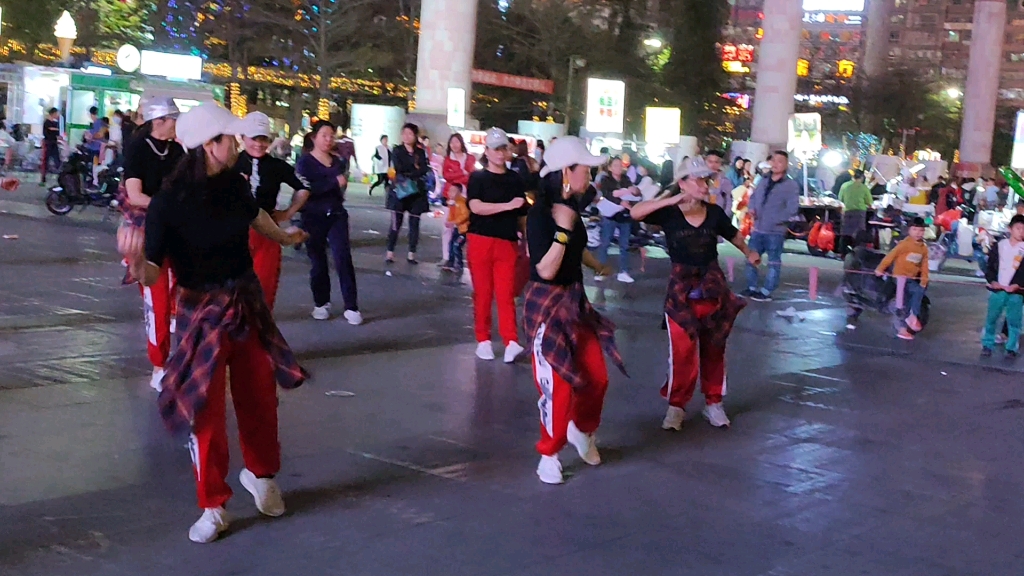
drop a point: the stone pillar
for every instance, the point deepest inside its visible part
(982, 88)
(776, 72)
(876, 50)
(447, 41)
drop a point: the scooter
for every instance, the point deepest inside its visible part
(74, 186)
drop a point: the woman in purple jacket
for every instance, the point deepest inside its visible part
(325, 219)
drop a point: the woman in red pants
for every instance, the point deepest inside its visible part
(569, 337)
(699, 309)
(266, 174)
(200, 224)
(150, 157)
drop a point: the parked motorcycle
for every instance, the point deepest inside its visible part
(75, 188)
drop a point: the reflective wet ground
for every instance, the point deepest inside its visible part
(850, 453)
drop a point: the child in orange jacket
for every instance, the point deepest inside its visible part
(458, 216)
(910, 259)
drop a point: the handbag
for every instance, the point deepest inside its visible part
(405, 187)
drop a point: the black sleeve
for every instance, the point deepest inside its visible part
(659, 216)
(157, 220)
(540, 233)
(473, 188)
(992, 270)
(290, 177)
(723, 225)
(133, 162)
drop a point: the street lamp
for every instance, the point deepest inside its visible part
(953, 92)
(654, 43)
(66, 32)
(575, 62)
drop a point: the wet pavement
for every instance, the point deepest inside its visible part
(850, 452)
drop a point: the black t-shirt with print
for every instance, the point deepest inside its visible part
(151, 160)
(492, 188)
(270, 174)
(205, 238)
(693, 246)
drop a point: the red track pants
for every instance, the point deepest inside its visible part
(159, 303)
(254, 394)
(492, 267)
(687, 357)
(559, 403)
(266, 260)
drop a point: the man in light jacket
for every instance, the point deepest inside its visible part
(772, 205)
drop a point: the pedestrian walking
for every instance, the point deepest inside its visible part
(700, 309)
(200, 224)
(775, 201)
(855, 196)
(51, 143)
(266, 175)
(569, 338)
(408, 194)
(615, 187)
(381, 165)
(458, 165)
(1005, 279)
(325, 218)
(152, 155)
(497, 205)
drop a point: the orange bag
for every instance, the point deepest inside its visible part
(812, 237)
(827, 238)
(747, 226)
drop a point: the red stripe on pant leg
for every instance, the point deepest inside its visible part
(254, 393)
(266, 261)
(588, 402)
(555, 403)
(481, 264)
(683, 369)
(209, 441)
(506, 255)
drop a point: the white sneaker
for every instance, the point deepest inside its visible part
(598, 278)
(156, 381)
(851, 326)
(484, 351)
(264, 491)
(322, 312)
(549, 470)
(673, 419)
(354, 317)
(512, 351)
(625, 278)
(585, 444)
(209, 526)
(716, 415)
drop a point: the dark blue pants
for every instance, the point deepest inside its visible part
(455, 251)
(330, 229)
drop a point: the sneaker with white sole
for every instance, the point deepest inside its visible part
(673, 419)
(265, 491)
(598, 278)
(354, 317)
(625, 278)
(484, 351)
(322, 312)
(512, 351)
(715, 414)
(209, 526)
(585, 444)
(549, 470)
(156, 381)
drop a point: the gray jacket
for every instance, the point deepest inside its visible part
(774, 210)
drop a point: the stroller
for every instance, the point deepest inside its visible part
(862, 290)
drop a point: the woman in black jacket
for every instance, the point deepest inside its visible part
(408, 192)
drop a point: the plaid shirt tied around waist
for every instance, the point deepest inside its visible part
(204, 318)
(561, 310)
(702, 283)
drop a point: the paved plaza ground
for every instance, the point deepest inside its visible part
(850, 452)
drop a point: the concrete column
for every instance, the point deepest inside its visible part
(982, 88)
(447, 41)
(776, 71)
(876, 50)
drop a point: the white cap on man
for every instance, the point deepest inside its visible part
(204, 123)
(569, 151)
(255, 124)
